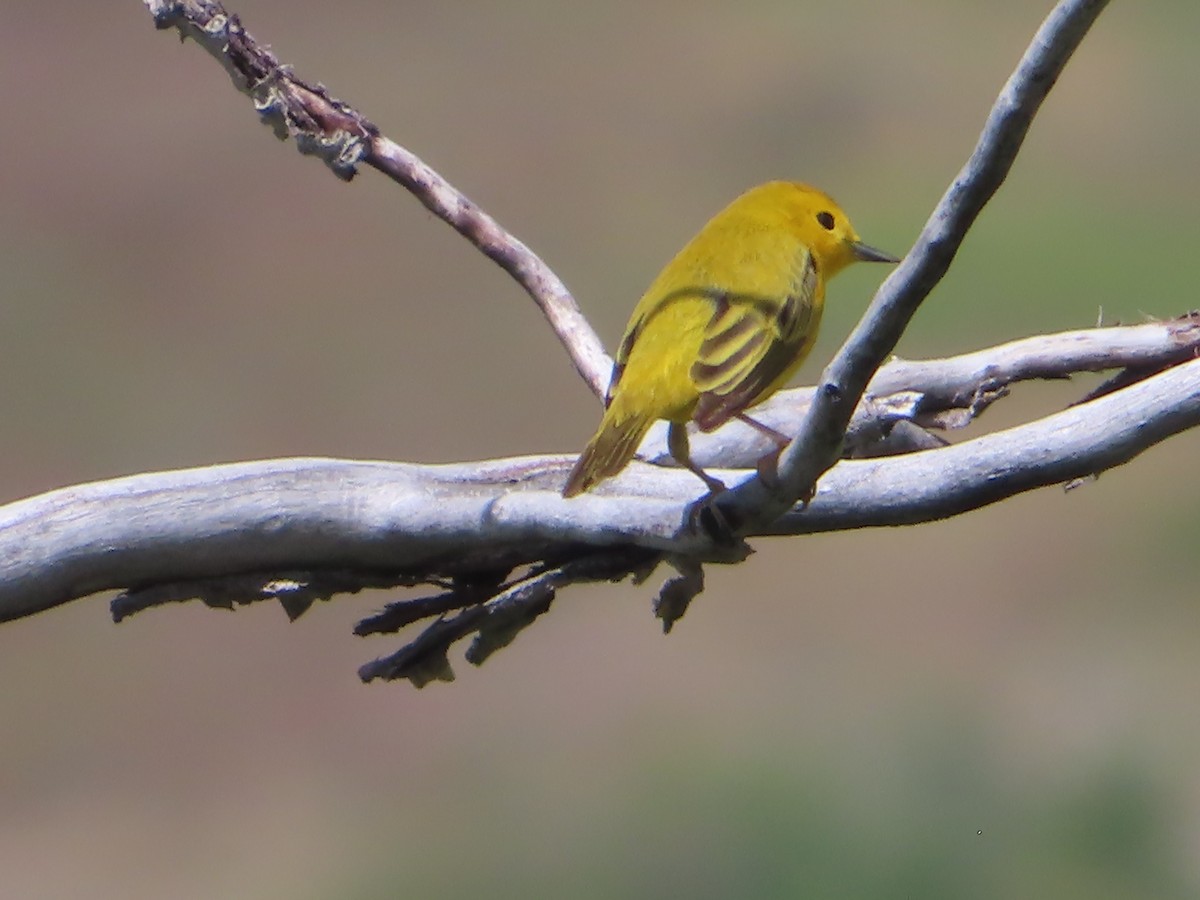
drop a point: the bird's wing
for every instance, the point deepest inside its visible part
(751, 341)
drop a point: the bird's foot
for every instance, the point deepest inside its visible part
(768, 470)
(704, 516)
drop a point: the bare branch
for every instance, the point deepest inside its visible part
(816, 447)
(538, 280)
(344, 138)
(402, 523)
(498, 619)
(1077, 443)
(1149, 345)
(948, 393)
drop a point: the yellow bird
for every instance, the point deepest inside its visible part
(724, 326)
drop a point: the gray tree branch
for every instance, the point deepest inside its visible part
(497, 538)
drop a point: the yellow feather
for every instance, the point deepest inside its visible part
(726, 323)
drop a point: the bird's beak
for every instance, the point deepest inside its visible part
(863, 253)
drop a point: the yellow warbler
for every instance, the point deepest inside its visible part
(724, 326)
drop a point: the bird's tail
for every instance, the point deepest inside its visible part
(608, 452)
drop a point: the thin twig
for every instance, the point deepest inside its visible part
(498, 618)
(485, 233)
(343, 137)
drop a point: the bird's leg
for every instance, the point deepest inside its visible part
(768, 463)
(702, 514)
(677, 446)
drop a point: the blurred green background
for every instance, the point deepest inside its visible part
(1001, 705)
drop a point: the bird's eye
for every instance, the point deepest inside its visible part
(826, 220)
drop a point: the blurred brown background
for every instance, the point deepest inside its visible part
(1002, 705)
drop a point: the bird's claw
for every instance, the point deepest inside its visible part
(768, 471)
(704, 516)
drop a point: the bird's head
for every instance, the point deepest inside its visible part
(822, 226)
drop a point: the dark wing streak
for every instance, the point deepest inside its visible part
(721, 402)
(715, 409)
(796, 313)
(713, 376)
